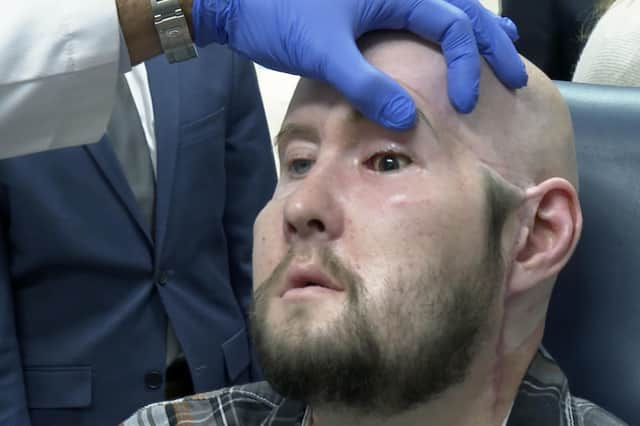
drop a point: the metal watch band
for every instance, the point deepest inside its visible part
(173, 30)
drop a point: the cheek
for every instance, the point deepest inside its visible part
(458, 227)
(387, 238)
(405, 225)
(268, 242)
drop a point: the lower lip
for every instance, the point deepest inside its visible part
(309, 291)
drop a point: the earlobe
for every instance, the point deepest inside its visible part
(550, 234)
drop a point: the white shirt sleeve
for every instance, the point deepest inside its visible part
(58, 71)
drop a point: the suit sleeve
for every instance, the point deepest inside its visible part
(58, 70)
(251, 175)
(13, 403)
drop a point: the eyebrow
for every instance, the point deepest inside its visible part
(297, 131)
(304, 131)
(356, 116)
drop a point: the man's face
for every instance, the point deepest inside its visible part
(374, 270)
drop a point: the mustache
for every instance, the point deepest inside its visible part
(330, 262)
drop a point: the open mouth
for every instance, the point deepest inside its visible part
(309, 282)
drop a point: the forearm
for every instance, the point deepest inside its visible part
(136, 22)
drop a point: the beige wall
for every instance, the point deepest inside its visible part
(277, 88)
(492, 4)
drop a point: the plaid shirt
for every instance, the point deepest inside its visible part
(543, 400)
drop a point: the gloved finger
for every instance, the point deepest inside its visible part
(498, 50)
(494, 44)
(376, 95)
(503, 58)
(451, 27)
(509, 27)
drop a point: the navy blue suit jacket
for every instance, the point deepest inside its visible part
(86, 291)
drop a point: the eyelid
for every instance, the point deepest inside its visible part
(305, 151)
(387, 148)
(302, 149)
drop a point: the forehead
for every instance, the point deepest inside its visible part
(415, 64)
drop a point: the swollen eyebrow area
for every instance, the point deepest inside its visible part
(296, 131)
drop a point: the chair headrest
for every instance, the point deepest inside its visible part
(593, 326)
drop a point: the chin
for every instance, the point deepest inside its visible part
(304, 320)
(289, 314)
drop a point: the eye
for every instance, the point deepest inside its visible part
(387, 162)
(300, 167)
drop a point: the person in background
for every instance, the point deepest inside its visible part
(612, 53)
(403, 278)
(551, 32)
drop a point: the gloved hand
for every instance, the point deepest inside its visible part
(316, 39)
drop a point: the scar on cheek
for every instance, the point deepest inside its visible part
(399, 199)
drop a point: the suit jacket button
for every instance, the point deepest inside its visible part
(153, 380)
(164, 276)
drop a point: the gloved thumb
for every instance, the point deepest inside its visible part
(376, 95)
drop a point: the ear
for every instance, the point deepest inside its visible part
(549, 234)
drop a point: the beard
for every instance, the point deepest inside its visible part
(383, 357)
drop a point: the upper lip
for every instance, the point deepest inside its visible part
(299, 276)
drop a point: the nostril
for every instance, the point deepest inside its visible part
(290, 228)
(316, 224)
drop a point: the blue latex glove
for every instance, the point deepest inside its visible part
(317, 39)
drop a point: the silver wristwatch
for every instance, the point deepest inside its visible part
(173, 30)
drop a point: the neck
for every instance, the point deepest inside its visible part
(483, 399)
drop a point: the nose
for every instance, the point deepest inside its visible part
(313, 211)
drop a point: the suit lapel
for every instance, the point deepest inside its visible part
(107, 162)
(165, 94)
